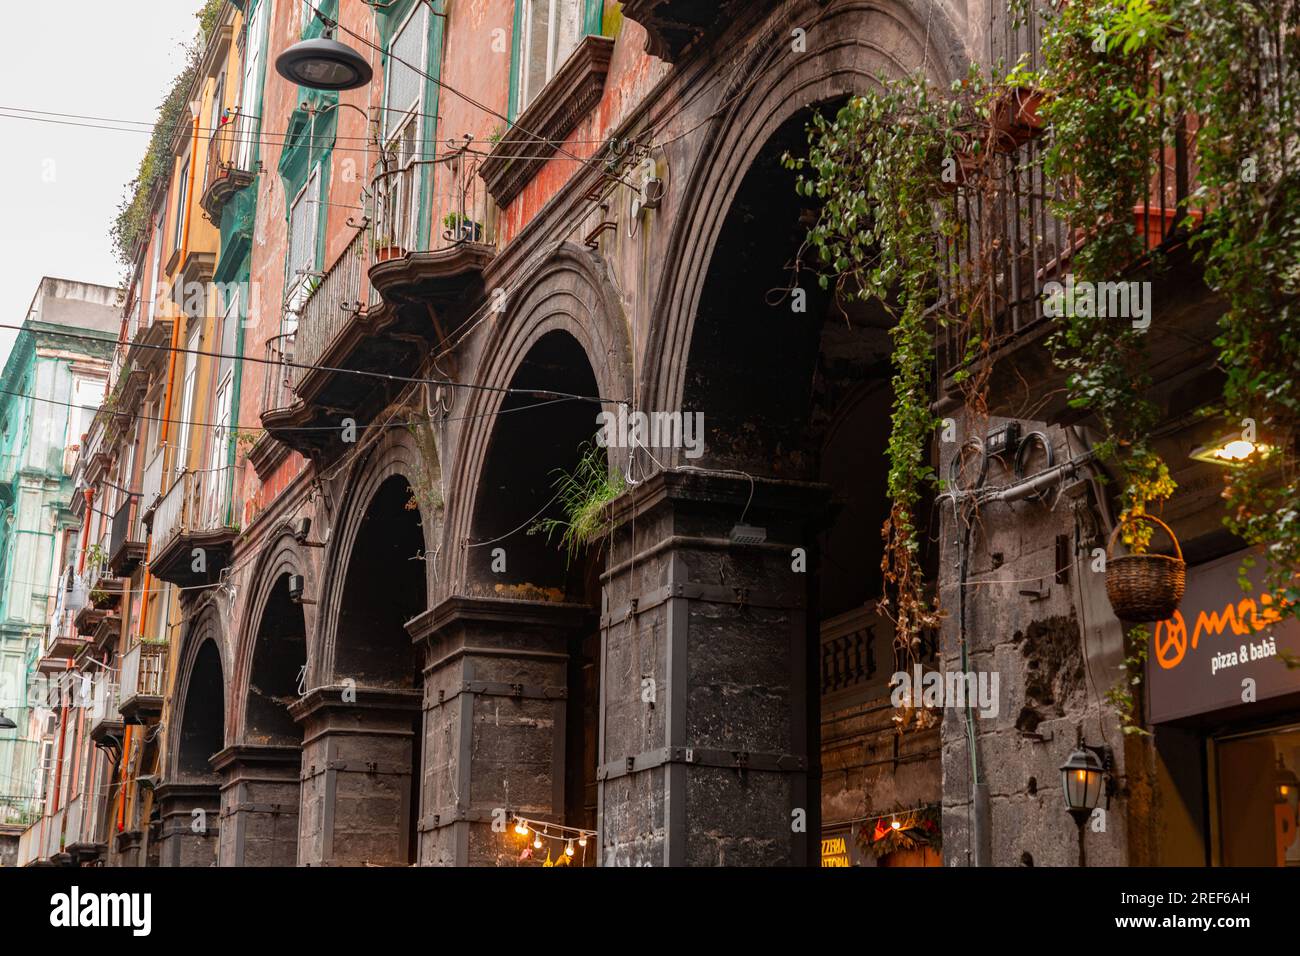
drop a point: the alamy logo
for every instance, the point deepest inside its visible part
(946, 689)
(1102, 300)
(652, 430)
(76, 909)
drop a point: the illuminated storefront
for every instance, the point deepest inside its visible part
(1224, 672)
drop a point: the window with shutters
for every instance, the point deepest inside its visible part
(550, 31)
(303, 218)
(248, 93)
(187, 398)
(404, 84)
(182, 195)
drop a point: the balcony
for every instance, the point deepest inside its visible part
(149, 345)
(126, 546)
(140, 694)
(63, 642)
(229, 162)
(105, 719)
(28, 845)
(151, 486)
(52, 845)
(449, 267)
(194, 527)
(1028, 247)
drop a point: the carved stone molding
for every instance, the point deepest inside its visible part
(557, 109)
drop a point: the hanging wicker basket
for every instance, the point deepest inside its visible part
(1145, 587)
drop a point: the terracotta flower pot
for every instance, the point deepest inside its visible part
(1015, 118)
(1154, 222)
(384, 253)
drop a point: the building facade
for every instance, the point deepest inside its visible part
(368, 329)
(53, 382)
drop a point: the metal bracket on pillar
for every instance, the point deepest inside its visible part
(738, 760)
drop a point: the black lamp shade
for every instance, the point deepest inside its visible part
(323, 64)
(1081, 780)
(6, 723)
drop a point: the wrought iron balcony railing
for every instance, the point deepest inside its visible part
(144, 670)
(344, 292)
(198, 501)
(277, 387)
(229, 161)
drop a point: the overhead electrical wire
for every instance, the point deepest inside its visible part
(384, 376)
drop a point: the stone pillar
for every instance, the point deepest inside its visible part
(259, 805)
(128, 847)
(495, 693)
(356, 775)
(708, 714)
(190, 814)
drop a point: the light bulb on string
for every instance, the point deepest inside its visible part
(521, 828)
(568, 850)
(582, 840)
(537, 841)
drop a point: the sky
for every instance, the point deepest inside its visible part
(60, 185)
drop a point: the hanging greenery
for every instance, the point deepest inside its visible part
(902, 829)
(1240, 79)
(883, 168)
(131, 224)
(1103, 66)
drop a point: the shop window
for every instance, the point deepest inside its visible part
(1257, 793)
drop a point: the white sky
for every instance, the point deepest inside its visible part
(60, 185)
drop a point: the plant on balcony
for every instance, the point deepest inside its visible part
(131, 224)
(584, 494)
(1102, 63)
(95, 557)
(460, 228)
(387, 248)
(1240, 79)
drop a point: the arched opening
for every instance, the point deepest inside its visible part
(384, 588)
(204, 718)
(517, 553)
(362, 806)
(188, 802)
(794, 383)
(262, 775)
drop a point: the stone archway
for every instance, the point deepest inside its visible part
(189, 799)
(512, 653)
(360, 717)
(719, 559)
(260, 785)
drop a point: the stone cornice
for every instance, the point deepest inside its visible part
(558, 108)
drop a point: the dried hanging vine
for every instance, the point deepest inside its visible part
(883, 168)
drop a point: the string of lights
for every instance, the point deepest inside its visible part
(571, 837)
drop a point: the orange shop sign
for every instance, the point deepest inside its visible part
(1223, 647)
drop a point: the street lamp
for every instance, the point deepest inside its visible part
(6, 723)
(1085, 776)
(323, 63)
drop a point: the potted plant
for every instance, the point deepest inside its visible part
(460, 228)
(386, 248)
(1153, 223)
(1014, 110)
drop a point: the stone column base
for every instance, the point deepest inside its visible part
(260, 791)
(355, 804)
